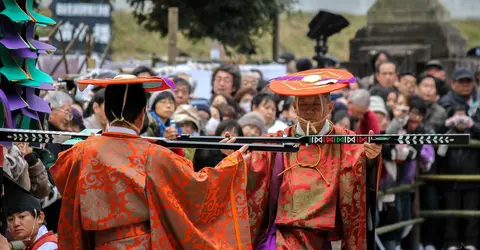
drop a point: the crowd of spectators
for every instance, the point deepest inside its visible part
(388, 102)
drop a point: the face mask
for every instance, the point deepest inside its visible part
(211, 126)
(246, 106)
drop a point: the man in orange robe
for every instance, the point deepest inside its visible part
(120, 191)
(307, 199)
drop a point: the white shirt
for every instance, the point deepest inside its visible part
(116, 129)
(323, 131)
(47, 245)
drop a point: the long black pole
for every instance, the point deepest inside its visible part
(411, 139)
(40, 136)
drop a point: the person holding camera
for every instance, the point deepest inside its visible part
(461, 105)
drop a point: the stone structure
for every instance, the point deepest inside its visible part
(413, 31)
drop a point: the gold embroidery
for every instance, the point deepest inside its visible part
(307, 165)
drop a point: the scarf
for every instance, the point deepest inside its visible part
(162, 126)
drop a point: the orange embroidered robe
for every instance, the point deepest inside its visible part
(122, 192)
(322, 196)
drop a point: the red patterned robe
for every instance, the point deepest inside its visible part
(322, 196)
(120, 191)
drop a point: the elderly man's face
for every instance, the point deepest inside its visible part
(248, 81)
(313, 108)
(62, 116)
(357, 111)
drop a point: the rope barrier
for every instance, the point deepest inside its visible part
(400, 189)
(446, 177)
(455, 213)
(398, 225)
(473, 144)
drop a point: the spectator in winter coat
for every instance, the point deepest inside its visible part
(22, 165)
(436, 115)
(161, 111)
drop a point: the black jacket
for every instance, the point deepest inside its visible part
(464, 160)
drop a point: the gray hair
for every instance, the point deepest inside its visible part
(360, 97)
(57, 99)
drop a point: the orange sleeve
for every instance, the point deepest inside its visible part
(62, 167)
(204, 210)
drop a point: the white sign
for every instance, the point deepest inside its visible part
(100, 32)
(83, 10)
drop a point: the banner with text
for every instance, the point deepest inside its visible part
(75, 15)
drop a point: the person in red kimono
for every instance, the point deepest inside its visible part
(120, 191)
(307, 199)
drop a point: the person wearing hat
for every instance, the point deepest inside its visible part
(253, 124)
(120, 190)
(462, 93)
(377, 106)
(308, 188)
(26, 221)
(186, 117)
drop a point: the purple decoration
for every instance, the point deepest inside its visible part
(36, 103)
(289, 78)
(12, 39)
(15, 101)
(7, 110)
(299, 78)
(45, 86)
(30, 32)
(29, 113)
(169, 82)
(24, 53)
(18, 95)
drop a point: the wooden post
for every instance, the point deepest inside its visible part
(276, 37)
(172, 35)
